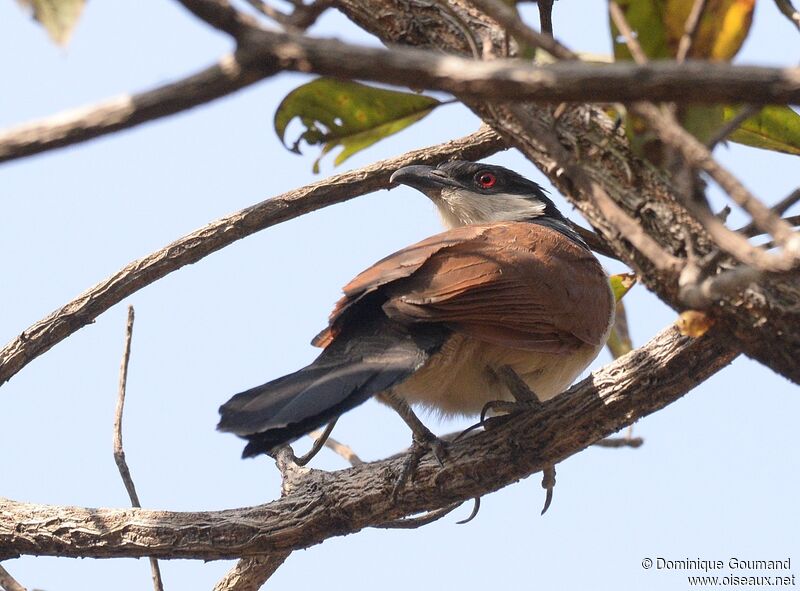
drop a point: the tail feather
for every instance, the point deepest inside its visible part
(356, 366)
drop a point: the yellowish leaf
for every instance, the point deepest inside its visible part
(621, 284)
(58, 17)
(693, 323)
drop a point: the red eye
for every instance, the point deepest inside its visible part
(486, 179)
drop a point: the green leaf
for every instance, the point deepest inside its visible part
(773, 128)
(646, 18)
(619, 340)
(621, 284)
(659, 26)
(348, 114)
(58, 17)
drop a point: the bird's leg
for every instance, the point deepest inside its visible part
(423, 440)
(524, 399)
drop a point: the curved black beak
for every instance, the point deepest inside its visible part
(422, 178)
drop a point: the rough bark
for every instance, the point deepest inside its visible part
(325, 504)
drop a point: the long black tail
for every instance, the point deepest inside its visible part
(375, 355)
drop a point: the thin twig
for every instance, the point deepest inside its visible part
(279, 17)
(251, 573)
(189, 249)
(779, 208)
(9, 583)
(697, 156)
(730, 126)
(690, 30)
(614, 215)
(618, 442)
(222, 15)
(339, 448)
(546, 16)
(119, 452)
(788, 10)
(621, 23)
(509, 19)
(700, 293)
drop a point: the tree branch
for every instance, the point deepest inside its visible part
(322, 504)
(81, 311)
(86, 123)
(266, 52)
(119, 451)
(250, 574)
(9, 583)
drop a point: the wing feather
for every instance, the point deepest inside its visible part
(517, 284)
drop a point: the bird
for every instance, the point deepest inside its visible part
(508, 297)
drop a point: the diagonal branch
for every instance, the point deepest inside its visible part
(323, 504)
(79, 125)
(81, 311)
(251, 573)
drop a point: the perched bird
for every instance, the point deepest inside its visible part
(510, 287)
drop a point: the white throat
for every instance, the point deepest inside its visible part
(460, 208)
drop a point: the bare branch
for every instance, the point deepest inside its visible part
(546, 16)
(508, 18)
(266, 52)
(191, 248)
(89, 122)
(699, 293)
(698, 156)
(327, 504)
(119, 452)
(617, 442)
(730, 126)
(250, 574)
(221, 15)
(631, 41)
(786, 8)
(614, 215)
(7, 582)
(690, 30)
(339, 448)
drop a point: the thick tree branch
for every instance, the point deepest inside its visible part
(267, 52)
(191, 248)
(324, 504)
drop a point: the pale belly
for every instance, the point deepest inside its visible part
(459, 380)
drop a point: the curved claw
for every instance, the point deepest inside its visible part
(418, 449)
(548, 483)
(475, 508)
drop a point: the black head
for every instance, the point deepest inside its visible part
(478, 193)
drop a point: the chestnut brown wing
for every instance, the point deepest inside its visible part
(520, 285)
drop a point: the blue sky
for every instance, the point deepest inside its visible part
(718, 474)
